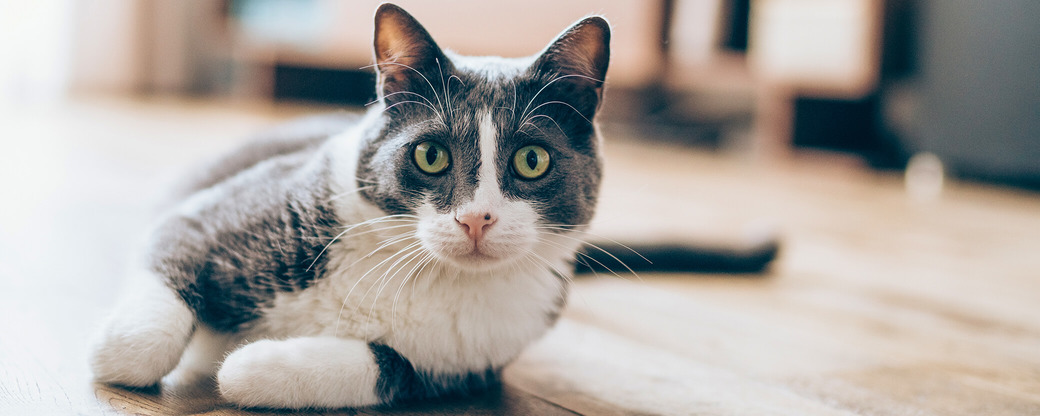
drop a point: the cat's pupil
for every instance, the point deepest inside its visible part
(431, 155)
(532, 159)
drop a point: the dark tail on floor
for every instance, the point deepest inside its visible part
(614, 257)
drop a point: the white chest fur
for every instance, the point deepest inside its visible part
(440, 318)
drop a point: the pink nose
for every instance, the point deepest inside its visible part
(475, 224)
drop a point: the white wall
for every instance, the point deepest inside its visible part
(34, 46)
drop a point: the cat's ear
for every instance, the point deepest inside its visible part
(404, 51)
(581, 53)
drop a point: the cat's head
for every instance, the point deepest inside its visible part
(492, 156)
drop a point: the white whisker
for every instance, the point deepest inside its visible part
(347, 230)
(422, 259)
(405, 254)
(432, 88)
(447, 97)
(553, 80)
(513, 110)
(407, 102)
(404, 92)
(393, 240)
(348, 193)
(572, 229)
(432, 260)
(607, 253)
(530, 122)
(578, 258)
(546, 262)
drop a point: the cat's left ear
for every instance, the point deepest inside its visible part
(405, 52)
(581, 53)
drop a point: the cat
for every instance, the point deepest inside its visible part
(406, 254)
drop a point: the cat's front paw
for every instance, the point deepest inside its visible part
(299, 373)
(253, 377)
(143, 339)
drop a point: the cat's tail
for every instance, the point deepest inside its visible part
(750, 255)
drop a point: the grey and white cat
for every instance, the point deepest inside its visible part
(412, 254)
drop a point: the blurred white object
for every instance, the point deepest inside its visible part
(695, 32)
(828, 48)
(924, 177)
(34, 44)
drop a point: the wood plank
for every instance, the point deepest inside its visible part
(832, 347)
(203, 400)
(597, 372)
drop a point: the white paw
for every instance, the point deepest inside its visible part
(135, 360)
(143, 340)
(253, 377)
(298, 373)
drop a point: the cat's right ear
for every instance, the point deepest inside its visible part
(582, 52)
(579, 57)
(405, 53)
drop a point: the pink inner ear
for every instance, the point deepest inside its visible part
(392, 40)
(588, 38)
(582, 49)
(402, 46)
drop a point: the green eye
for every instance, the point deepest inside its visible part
(432, 158)
(531, 162)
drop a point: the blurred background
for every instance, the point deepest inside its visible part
(875, 80)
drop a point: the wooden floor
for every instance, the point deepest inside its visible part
(880, 305)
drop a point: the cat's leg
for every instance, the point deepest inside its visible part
(202, 357)
(301, 372)
(333, 372)
(144, 337)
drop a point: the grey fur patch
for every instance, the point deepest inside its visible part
(259, 236)
(399, 382)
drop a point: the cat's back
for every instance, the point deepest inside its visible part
(304, 135)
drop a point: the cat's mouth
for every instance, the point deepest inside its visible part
(477, 258)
